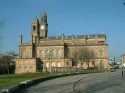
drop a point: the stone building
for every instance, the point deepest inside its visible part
(45, 53)
(123, 60)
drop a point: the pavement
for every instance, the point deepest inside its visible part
(111, 82)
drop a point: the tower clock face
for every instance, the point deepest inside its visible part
(42, 27)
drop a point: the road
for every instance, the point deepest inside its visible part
(111, 82)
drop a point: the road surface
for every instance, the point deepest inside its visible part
(111, 82)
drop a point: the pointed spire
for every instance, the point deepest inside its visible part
(35, 20)
(21, 39)
(44, 14)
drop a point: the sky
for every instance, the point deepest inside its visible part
(71, 17)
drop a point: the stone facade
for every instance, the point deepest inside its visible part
(44, 53)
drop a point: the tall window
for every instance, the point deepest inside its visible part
(47, 53)
(53, 53)
(42, 53)
(58, 53)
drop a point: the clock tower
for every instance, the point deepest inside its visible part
(43, 25)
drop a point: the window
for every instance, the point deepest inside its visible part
(53, 53)
(58, 64)
(30, 67)
(47, 53)
(25, 66)
(58, 53)
(28, 54)
(42, 53)
(67, 63)
(53, 64)
(37, 53)
(34, 28)
(20, 67)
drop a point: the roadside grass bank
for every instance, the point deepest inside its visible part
(15, 79)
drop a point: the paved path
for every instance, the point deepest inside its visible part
(91, 83)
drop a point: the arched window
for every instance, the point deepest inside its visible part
(58, 53)
(47, 53)
(42, 53)
(53, 53)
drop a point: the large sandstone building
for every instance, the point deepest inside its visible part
(43, 53)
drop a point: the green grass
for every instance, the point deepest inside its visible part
(14, 79)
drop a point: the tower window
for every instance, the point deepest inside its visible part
(34, 28)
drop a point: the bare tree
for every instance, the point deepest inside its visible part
(83, 55)
(74, 56)
(6, 60)
(88, 55)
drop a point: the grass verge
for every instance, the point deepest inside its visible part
(14, 79)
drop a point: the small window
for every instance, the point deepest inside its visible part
(20, 67)
(67, 63)
(31, 67)
(25, 66)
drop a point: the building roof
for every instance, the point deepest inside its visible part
(76, 36)
(35, 20)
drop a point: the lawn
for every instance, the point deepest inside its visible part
(14, 79)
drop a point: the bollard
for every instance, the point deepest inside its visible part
(122, 73)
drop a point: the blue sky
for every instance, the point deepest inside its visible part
(65, 16)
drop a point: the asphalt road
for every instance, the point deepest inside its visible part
(112, 82)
